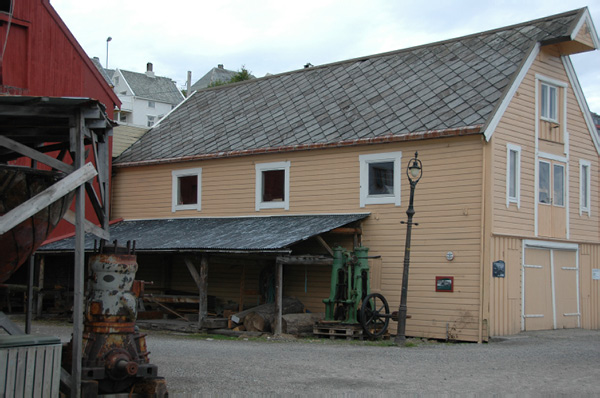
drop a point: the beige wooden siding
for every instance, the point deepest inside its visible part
(517, 127)
(505, 302)
(584, 36)
(447, 204)
(589, 288)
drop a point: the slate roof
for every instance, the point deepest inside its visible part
(445, 86)
(212, 76)
(158, 88)
(256, 234)
(103, 72)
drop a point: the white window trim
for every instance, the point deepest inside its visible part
(582, 208)
(260, 167)
(556, 98)
(175, 174)
(517, 198)
(365, 160)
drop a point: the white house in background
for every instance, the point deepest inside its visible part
(145, 97)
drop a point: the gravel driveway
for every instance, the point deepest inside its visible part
(531, 363)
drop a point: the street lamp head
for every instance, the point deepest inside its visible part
(108, 39)
(415, 169)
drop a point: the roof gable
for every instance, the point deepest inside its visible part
(454, 85)
(157, 88)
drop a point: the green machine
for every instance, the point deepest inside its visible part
(350, 301)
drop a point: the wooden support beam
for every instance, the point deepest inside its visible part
(77, 146)
(34, 154)
(30, 272)
(48, 196)
(98, 208)
(278, 295)
(203, 294)
(89, 226)
(324, 244)
(193, 271)
(346, 231)
(40, 296)
(305, 260)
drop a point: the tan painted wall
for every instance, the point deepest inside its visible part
(511, 224)
(517, 127)
(447, 204)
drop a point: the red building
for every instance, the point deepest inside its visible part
(41, 57)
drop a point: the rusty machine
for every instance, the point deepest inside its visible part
(350, 301)
(115, 357)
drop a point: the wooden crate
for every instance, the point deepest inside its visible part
(29, 366)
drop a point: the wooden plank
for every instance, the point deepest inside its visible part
(279, 295)
(32, 153)
(11, 370)
(39, 366)
(40, 295)
(96, 205)
(30, 272)
(30, 371)
(89, 226)
(3, 371)
(193, 271)
(43, 199)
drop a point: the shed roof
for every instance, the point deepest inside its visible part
(157, 88)
(449, 87)
(242, 234)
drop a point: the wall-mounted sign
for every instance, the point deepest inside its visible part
(498, 269)
(596, 274)
(444, 283)
(449, 256)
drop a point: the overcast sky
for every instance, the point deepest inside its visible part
(275, 36)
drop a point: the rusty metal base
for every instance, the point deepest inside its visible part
(155, 387)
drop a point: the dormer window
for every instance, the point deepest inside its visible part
(151, 104)
(549, 109)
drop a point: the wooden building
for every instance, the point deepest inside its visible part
(43, 58)
(507, 206)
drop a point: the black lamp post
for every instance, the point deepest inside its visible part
(414, 173)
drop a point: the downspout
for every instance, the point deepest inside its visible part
(482, 242)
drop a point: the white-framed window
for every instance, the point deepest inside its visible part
(151, 104)
(273, 185)
(585, 197)
(513, 175)
(151, 120)
(122, 117)
(549, 103)
(380, 178)
(186, 189)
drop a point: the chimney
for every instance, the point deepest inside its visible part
(220, 66)
(149, 71)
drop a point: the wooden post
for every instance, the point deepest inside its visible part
(30, 273)
(78, 147)
(40, 296)
(242, 287)
(203, 299)
(279, 294)
(201, 283)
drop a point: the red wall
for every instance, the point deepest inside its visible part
(43, 58)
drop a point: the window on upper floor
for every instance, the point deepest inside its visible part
(116, 80)
(273, 185)
(5, 5)
(549, 103)
(513, 175)
(584, 187)
(186, 189)
(151, 120)
(380, 178)
(151, 104)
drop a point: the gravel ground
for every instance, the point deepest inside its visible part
(531, 363)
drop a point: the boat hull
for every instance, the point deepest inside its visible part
(17, 185)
